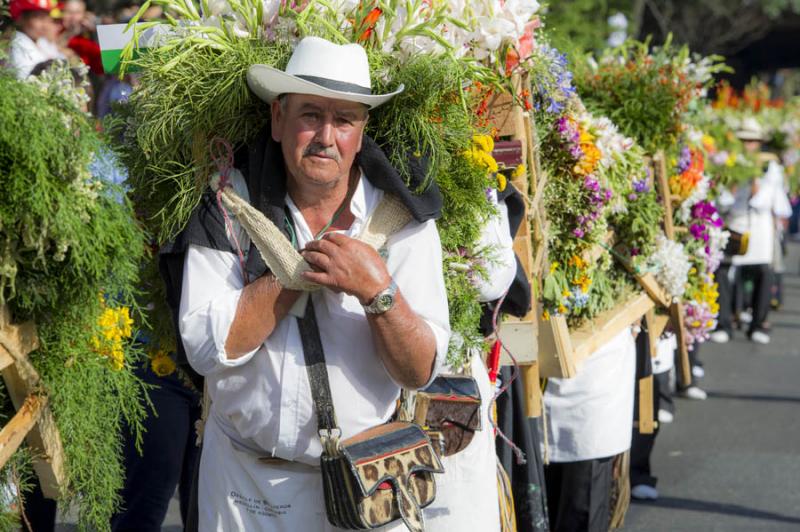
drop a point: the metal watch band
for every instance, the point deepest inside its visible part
(376, 305)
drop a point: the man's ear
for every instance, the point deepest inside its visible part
(277, 120)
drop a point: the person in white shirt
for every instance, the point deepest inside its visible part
(260, 460)
(757, 209)
(32, 19)
(588, 423)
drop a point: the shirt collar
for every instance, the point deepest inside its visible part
(364, 200)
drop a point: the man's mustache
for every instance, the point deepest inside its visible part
(323, 151)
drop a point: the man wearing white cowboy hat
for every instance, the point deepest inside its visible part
(383, 322)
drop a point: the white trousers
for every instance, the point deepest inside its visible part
(466, 494)
(237, 492)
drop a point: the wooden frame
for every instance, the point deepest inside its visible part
(561, 350)
(33, 421)
(675, 309)
(518, 335)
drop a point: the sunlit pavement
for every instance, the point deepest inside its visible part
(732, 462)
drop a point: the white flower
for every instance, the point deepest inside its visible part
(217, 8)
(618, 21)
(617, 38)
(671, 266)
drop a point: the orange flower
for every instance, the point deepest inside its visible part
(368, 24)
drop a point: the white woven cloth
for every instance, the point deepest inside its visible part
(280, 256)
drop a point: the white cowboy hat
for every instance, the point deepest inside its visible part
(750, 130)
(321, 68)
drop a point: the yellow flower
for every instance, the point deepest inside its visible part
(501, 182)
(162, 365)
(565, 293)
(554, 266)
(545, 316)
(577, 261)
(519, 171)
(483, 142)
(731, 160)
(562, 309)
(584, 281)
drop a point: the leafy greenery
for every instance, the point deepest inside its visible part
(644, 90)
(66, 237)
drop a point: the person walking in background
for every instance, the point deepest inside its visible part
(755, 210)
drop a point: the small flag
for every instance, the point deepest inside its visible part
(113, 39)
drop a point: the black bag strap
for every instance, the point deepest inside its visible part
(317, 371)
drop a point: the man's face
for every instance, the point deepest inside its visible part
(752, 146)
(73, 14)
(320, 137)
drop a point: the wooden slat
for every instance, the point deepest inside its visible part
(533, 394)
(519, 337)
(685, 367)
(561, 350)
(555, 354)
(21, 379)
(14, 431)
(592, 336)
(650, 285)
(662, 182)
(646, 414)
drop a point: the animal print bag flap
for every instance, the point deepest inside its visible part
(380, 475)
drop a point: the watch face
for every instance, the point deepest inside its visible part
(385, 302)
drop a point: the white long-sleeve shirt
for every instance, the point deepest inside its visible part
(262, 400)
(24, 54)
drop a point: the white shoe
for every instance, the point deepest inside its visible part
(643, 492)
(745, 317)
(693, 392)
(760, 337)
(698, 372)
(665, 416)
(720, 337)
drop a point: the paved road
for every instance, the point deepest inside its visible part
(732, 462)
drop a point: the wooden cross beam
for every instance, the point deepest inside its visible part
(675, 309)
(33, 421)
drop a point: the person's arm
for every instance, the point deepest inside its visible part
(215, 332)
(405, 341)
(263, 303)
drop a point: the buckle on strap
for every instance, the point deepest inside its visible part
(330, 439)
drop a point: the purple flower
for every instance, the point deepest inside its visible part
(685, 160)
(591, 183)
(635, 252)
(641, 186)
(632, 196)
(704, 210)
(699, 232)
(578, 232)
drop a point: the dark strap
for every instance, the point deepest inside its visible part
(316, 369)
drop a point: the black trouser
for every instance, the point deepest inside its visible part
(527, 480)
(167, 460)
(579, 495)
(761, 276)
(725, 319)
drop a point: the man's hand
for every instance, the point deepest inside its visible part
(344, 264)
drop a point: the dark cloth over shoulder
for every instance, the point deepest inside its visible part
(261, 162)
(518, 299)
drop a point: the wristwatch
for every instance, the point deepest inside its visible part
(383, 301)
